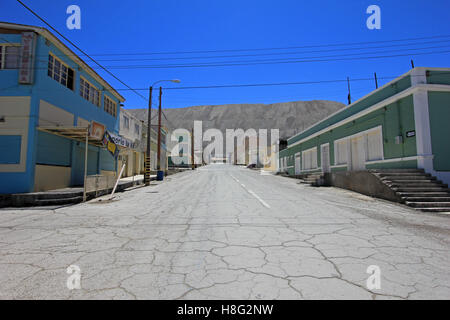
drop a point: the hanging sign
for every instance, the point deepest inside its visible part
(27, 58)
(123, 142)
(108, 142)
(96, 130)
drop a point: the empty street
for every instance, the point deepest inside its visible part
(225, 232)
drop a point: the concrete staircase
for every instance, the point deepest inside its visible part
(417, 189)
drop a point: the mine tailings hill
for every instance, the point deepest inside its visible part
(289, 117)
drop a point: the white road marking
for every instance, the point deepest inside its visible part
(251, 192)
(259, 199)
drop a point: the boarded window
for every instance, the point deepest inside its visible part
(309, 158)
(374, 146)
(341, 152)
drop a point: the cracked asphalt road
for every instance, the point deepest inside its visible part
(224, 232)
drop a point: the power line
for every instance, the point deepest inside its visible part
(232, 64)
(79, 49)
(329, 58)
(278, 83)
(272, 53)
(274, 48)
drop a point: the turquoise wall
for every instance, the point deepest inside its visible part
(439, 108)
(363, 104)
(395, 119)
(10, 149)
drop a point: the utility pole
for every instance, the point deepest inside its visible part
(149, 125)
(376, 81)
(349, 95)
(412, 63)
(158, 160)
(192, 149)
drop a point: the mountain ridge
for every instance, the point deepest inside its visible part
(289, 117)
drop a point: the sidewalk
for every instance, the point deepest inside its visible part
(65, 195)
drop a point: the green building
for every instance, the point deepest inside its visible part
(403, 125)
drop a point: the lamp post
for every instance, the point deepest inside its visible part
(149, 123)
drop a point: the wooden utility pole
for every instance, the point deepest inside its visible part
(86, 148)
(376, 81)
(147, 156)
(192, 149)
(158, 160)
(349, 94)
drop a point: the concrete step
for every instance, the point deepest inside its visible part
(410, 179)
(55, 202)
(397, 170)
(417, 185)
(427, 199)
(446, 210)
(428, 204)
(420, 189)
(49, 195)
(422, 194)
(399, 175)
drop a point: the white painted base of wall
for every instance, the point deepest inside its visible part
(51, 177)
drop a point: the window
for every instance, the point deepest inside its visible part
(126, 122)
(89, 92)
(110, 106)
(309, 159)
(341, 149)
(60, 72)
(136, 128)
(9, 56)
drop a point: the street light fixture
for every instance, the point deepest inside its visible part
(149, 121)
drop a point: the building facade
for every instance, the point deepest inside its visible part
(403, 124)
(44, 84)
(132, 154)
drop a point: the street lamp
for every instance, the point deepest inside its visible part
(149, 121)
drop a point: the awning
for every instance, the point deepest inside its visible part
(73, 133)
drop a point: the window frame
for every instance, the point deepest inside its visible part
(60, 73)
(90, 87)
(137, 128)
(3, 47)
(310, 161)
(108, 100)
(126, 122)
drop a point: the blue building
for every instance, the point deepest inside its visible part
(43, 84)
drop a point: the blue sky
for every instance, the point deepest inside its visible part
(110, 27)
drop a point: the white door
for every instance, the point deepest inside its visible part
(297, 163)
(358, 154)
(325, 158)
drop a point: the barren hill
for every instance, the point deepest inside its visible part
(288, 117)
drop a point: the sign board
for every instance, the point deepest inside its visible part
(123, 142)
(96, 130)
(411, 134)
(110, 145)
(27, 58)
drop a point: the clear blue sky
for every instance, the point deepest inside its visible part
(149, 26)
